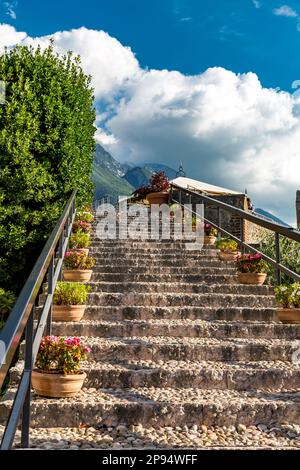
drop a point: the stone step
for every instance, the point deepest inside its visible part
(176, 287)
(162, 348)
(143, 277)
(261, 437)
(107, 262)
(173, 313)
(163, 407)
(269, 376)
(177, 328)
(146, 244)
(180, 300)
(148, 256)
(164, 270)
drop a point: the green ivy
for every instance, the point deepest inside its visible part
(46, 151)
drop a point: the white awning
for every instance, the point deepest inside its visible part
(199, 186)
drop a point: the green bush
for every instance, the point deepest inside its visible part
(46, 151)
(288, 296)
(7, 300)
(290, 255)
(79, 240)
(227, 245)
(70, 293)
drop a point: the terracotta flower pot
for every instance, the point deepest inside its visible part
(209, 239)
(252, 278)
(78, 275)
(57, 385)
(289, 315)
(158, 198)
(67, 312)
(85, 251)
(228, 255)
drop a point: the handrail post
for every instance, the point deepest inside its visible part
(28, 367)
(219, 221)
(242, 235)
(278, 257)
(50, 292)
(60, 253)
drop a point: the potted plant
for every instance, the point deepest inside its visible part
(288, 297)
(210, 234)
(57, 368)
(252, 269)
(157, 192)
(69, 301)
(84, 216)
(228, 249)
(80, 241)
(78, 266)
(81, 225)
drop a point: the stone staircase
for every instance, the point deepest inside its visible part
(182, 356)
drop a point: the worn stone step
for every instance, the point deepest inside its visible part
(147, 255)
(155, 262)
(145, 277)
(164, 270)
(164, 348)
(173, 313)
(176, 287)
(261, 437)
(146, 244)
(181, 299)
(275, 376)
(177, 328)
(163, 407)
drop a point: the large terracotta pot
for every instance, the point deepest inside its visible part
(78, 275)
(209, 239)
(252, 278)
(85, 251)
(289, 315)
(57, 385)
(158, 198)
(229, 255)
(67, 312)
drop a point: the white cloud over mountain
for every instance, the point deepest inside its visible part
(226, 128)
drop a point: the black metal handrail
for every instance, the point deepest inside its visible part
(47, 268)
(277, 229)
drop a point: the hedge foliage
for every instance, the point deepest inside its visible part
(46, 151)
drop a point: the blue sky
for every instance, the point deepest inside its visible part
(184, 35)
(208, 83)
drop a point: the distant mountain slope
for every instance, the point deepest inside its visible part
(153, 167)
(137, 176)
(270, 216)
(114, 179)
(108, 184)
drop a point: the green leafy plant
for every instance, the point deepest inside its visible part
(77, 260)
(79, 240)
(84, 216)
(46, 151)
(227, 245)
(7, 301)
(70, 293)
(288, 296)
(252, 264)
(61, 355)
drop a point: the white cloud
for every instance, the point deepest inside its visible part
(10, 9)
(226, 128)
(285, 10)
(256, 3)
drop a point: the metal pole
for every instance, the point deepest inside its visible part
(50, 291)
(60, 252)
(278, 256)
(219, 222)
(28, 367)
(242, 235)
